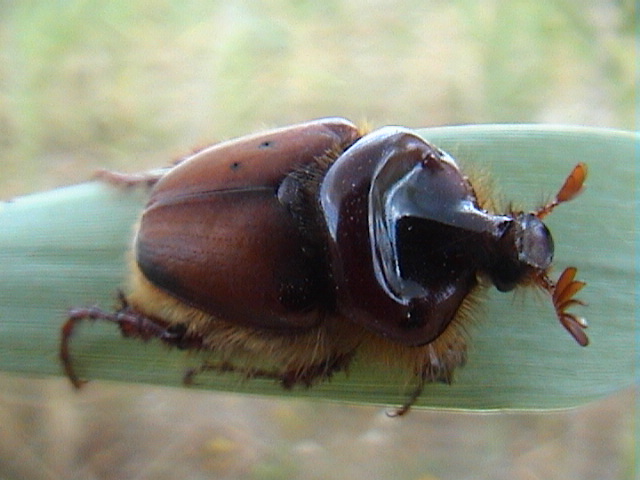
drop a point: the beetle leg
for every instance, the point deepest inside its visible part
(417, 391)
(119, 179)
(305, 376)
(438, 367)
(324, 370)
(131, 323)
(408, 403)
(228, 367)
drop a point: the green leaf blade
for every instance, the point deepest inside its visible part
(69, 247)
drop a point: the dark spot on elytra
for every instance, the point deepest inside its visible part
(235, 166)
(266, 144)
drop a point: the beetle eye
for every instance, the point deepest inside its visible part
(534, 243)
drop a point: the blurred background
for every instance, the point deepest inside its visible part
(133, 85)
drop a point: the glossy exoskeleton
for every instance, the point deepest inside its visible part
(287, 252)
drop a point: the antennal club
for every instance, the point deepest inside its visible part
(562, 295)
(572, 186)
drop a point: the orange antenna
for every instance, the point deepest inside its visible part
(572, 186)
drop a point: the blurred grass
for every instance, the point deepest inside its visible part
(131, 85)
(86, 84)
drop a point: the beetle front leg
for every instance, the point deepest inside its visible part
(439, 361)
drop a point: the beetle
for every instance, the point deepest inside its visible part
(286, 253)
